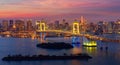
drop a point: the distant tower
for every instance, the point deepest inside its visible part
(81, 20)
(82, 24)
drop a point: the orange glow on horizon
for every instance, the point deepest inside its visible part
(22, 14)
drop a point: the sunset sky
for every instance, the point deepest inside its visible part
(91, 9)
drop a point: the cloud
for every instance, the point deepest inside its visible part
(55, 7)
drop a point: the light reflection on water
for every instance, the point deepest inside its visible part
(90, 50)
(27, 46)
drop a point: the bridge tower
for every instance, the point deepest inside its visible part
(76, 27)
(41, 25)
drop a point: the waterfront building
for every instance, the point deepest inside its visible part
(89, 43)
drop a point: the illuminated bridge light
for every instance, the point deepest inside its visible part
(42, 26)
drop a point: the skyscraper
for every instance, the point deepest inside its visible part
(56, 24)
(5, 25)
(11, 24)
(20, 25)
(29, 26)
(83, 24)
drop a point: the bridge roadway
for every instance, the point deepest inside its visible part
(92, 37)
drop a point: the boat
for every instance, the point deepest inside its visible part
(55, 45)
(89, 43)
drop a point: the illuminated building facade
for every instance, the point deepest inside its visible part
(116, 28)
(110, 26)
(89, 43)
(11, 24)
(56, 25)
(91, 27)
(29, 26)
(83, 26)
(5, 25)
(100, 28)
(20, 25)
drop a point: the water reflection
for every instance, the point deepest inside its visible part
(117, 56)
(76, 39)
(75, 62)
(76, 45)
(42, 38)
(76, 50)
(28, 47)
(90, 50)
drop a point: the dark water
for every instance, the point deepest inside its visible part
(27, 46)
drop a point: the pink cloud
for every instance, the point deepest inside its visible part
(54, 7)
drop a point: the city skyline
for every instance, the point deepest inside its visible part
(94, 10)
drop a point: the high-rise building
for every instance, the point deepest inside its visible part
(51, 26)
(116, 27)
(100, 28)
(110, 26)
(5, 25)
(29, 26)
(0, 27)
(67, 27)
(20, 25)
(11, 24)
(91, 28)
(83, 24)
(56, 24)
